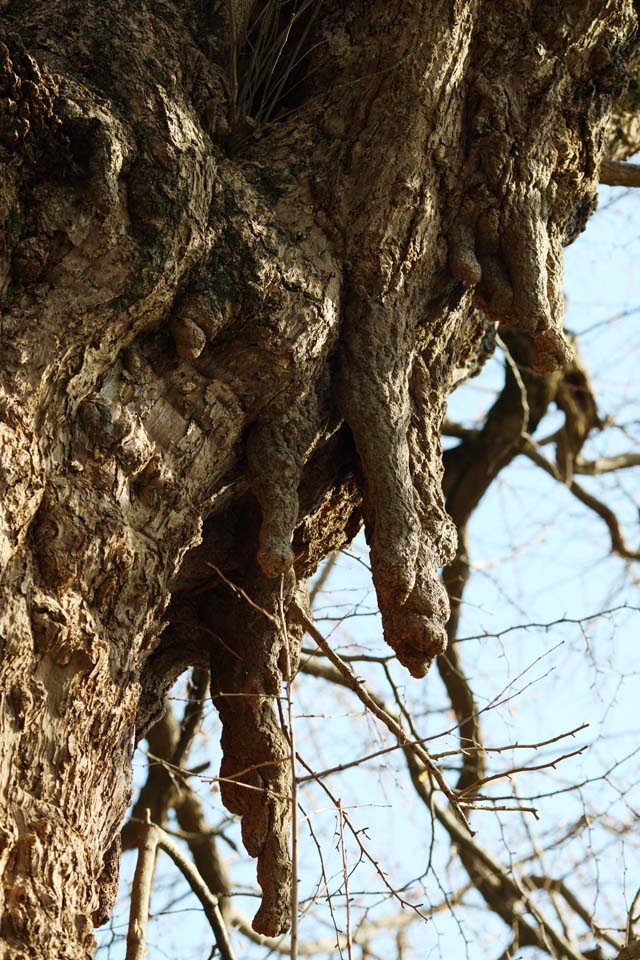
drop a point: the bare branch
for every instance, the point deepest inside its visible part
(615, 173)
(537, 625)
(345, 874)
(291, 737)
(594, 468)
(502, 892)
(507, 774)
(559, 886)
(359, 689)
(618, 544)
(328, 945)
(154, 837)
(356, 835)
(141, 891)
(514, 746)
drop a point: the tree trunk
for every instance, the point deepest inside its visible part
(237, 293)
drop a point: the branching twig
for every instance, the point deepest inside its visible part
(345, 873)
(535, 625)
(184, 774)
(618, 544)
(152, 838)
(362, 693)
(513, 746)
(356, 835)
(506, 893)
(507, 774)
(559, 886)
(341, 767)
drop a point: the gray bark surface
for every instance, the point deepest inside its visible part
(227, 339)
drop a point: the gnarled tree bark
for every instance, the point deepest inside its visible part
(228, 335)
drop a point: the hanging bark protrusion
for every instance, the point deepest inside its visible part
(255, 774)
(278, 447)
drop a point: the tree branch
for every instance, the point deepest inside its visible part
(559, 886)
(369, 702)
(207, 899)
(617, 174)
(141, 891)
(618, 544)
(594, 468)
(328, 945)
(152, 838)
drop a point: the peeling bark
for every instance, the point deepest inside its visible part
(224, 342)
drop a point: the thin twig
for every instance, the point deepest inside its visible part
(294, 785)
(329, 673)
(510, 808)
(618, 544)
(356, 835)
(551, 885)
(345, 872)
(512, 746)
(195, 771)
(230, 779)
(362, 693)
(517, 376)
(507, 774)
(242, 593)
(322, 577)
(341, 767)
(535, 625)
(325, 887)
(508, 884)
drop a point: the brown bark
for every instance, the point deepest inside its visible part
(226, 333)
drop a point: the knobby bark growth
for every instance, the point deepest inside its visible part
(237, 293)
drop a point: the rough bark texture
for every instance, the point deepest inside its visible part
(227, 337)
